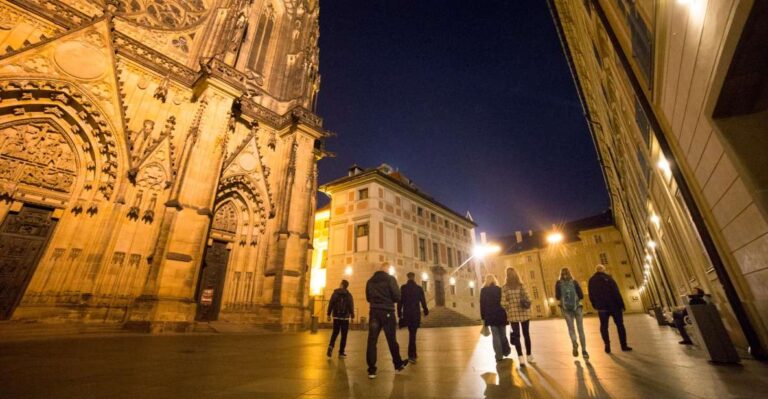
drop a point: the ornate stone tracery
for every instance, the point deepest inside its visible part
(164, 14)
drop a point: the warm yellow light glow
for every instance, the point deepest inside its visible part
(452, 280)
(551, 300)
(651, 244)
(348, 270)
(317, 281)
(656, 220)
(663, 164)
(648, 258)
(647, 267)
(391, 270)
(555, 237)
(471, 284)
(424, 276)
(482, 250)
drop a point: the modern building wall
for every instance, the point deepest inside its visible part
(378, 216)
(157, 161)
(672, 93)
(582, 248)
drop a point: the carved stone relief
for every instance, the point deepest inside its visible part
(164, 14)
(225, 218)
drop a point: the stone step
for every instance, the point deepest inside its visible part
(441, 316)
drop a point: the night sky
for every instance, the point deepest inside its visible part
(472, 100)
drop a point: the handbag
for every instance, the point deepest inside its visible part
(485, 331)
(525, 303)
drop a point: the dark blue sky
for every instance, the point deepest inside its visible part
(472, 100)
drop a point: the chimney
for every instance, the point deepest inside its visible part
(354, 170)
(518, 237)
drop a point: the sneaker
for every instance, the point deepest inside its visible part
(607, 348)
(531, 359)
(402, 367)
(412, 360)
(342, 355)
(371, 375)
(329, 352)
(626, 348)
(585, 355)
(575, 351)
(521, 360)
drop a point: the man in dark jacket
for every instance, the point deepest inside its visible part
(382, 293)
(342, 308)
(409, 313)
(606, 299)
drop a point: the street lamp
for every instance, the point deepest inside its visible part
(480, 251)
(348, 270)
(555, 237)
(424, 276)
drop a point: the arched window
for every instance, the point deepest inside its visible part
(260, 43)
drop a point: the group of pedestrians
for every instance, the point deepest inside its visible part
(500, 306)
(382, 293)
(510, 304)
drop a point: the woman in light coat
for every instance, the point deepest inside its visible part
(516, 302)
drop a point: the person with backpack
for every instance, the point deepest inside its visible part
(409, 311)
(517, 304)
(342, 308)
(568, 292)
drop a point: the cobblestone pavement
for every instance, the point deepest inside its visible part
(453, 363)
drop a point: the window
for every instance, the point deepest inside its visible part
(631, 287)
(436, 253)
(447, 224)
(535, 291)
(433, 218)
(450, 257)
(471, 291)
(425, 285)
(598, 239)
(362, 230)
(362, 194)
(260, 43)
(361, 237)
(529, 259)
(628, 275)
(603, 258)
(453, 290)
(533, 275)
(420, 211)
(422, 249)
(538, 308)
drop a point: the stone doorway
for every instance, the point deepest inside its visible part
(439, 273)
(23, 237)
(212, 276)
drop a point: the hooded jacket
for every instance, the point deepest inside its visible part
(382, 291)
(341, 296)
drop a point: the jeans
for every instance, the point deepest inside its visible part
(500, 344)
(618, 318)
(382, 320)
(577, 316)
(343, 326)
(412, 342)
(515, 336)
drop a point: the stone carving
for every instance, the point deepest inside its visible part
(164, 14)
(225, 218)
(161, 92)
(36, 154)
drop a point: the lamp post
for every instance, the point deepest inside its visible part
(553, 238)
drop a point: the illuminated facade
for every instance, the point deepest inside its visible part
(673, 92)
(377, 215)
(580, 245)
(158, 160)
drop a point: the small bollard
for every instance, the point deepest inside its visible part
(313, 324)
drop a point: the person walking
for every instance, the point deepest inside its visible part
(494, 316)
(569, 294)
(342, 308)
(517, 304)
(606, 299)
(409, 311)
(382, 293)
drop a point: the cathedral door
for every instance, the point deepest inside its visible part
(212, 281)
(23, 237)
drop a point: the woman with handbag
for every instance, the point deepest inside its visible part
(517, 304)
(494, 317)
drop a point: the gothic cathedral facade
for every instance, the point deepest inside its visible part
(158, 160)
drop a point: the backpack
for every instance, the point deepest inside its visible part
(340, 307)
(570, 299)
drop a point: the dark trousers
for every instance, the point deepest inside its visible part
(343, 326)
(679, 317)
(382, 320)
(618, 319)
(412, 342)
(515, 336)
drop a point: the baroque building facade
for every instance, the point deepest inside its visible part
(673, 92)
(580, 245)
(158, 160)
(377, 216)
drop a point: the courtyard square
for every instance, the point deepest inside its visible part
(453, 363)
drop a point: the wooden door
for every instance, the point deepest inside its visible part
(23, 237)
(212, 281)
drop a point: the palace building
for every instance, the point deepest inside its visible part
(379, 216)
(579, 245)
(158, 161)
(674, 95)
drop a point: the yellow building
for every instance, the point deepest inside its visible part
(673, 92)
(580, 245)
(378, 215)
(158, 161)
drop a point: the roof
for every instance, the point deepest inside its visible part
(398, 179)
(537, 239)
